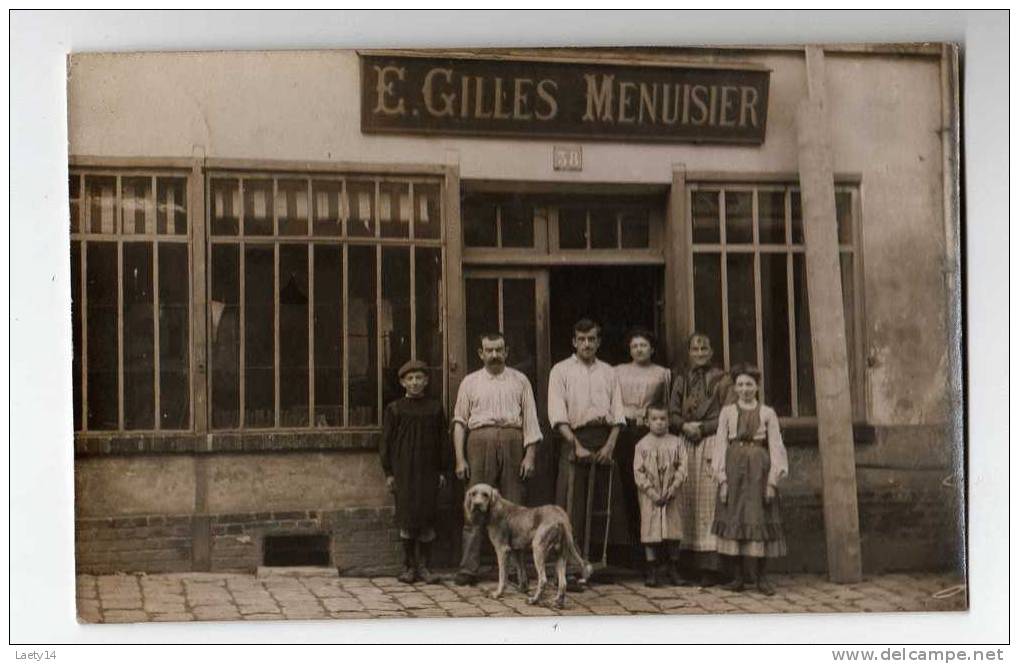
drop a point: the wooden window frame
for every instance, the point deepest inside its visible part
(84, 168)
(789, 184)
(286, 171)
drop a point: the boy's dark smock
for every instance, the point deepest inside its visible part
(415, 449)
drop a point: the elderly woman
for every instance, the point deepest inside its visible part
(642, 384)
(698, 395)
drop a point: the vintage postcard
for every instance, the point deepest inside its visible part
(505, 332)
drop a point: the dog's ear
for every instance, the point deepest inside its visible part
(467, 507)
(495, 501)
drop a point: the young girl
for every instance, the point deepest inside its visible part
(415, 454)
(659, 468)
(749, 461)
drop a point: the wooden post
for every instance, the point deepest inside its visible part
(677, 254)
(828, 328)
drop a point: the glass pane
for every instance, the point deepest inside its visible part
(771, 216)
(844, 216)
(705, 213)
(259, 337)
(572, 228)
(101, 331)
(328, 335)
(742, 310)
(294, 410)
(172, 206)
(428, 301)
(76, 331)
(361, 208)
(427, 211)
(328, 213)
(174, 391)
(482, 297)
(739, 217)
(796, 217)
(74, 195)
(395, 321)
(101, 191)
(226, 207)
(479, 223)
(224, 316)
(135, 205)
(362, 339)
(707, 296)
(292, 207)
(636, 230)
(517, 224)
(775, 332)
(394, 209)
(804, 352)
(258, 207)
(604, 232)
(848, 309)
(518, 301)
(139, 341)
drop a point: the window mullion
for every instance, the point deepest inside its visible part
(345, 360)
(724, 269)
(276, 328)
(120, 336)
(311, 322)
(242, 359)
(758, 295)
(378, 324)
(84, 334)
(155, 334)
(791, 309)
(413, 304)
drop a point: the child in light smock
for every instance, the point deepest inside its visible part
(659, 468)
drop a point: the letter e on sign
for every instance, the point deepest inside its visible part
(567, 158)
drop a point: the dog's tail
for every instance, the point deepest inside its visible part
(585, 567)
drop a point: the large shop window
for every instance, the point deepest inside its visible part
(320, 288)
(129, 300)
(749, 285)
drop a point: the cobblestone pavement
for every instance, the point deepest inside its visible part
(319, 594)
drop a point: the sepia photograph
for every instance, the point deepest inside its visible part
(516, 332)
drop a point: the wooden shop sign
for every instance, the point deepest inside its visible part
(525, 99)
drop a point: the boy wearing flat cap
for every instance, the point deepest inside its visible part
(416, 458)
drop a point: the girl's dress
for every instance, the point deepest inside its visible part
(698, 396)
(415, 450)
(749, 455)
(659, 465)
(640, 387)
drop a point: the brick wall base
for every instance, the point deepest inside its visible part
(913, 528)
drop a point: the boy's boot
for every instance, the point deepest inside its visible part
(763, 585)
(650, 568)
(672, 567)
(736, 584)
(423, 562)
(409, 573)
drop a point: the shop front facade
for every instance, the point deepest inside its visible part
(259, 240)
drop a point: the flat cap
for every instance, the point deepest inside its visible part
(412, 365)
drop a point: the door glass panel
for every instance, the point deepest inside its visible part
(705, 217)
(636, 230)
(479, 223)
(603, 229)
(518, 304)
(482, 315)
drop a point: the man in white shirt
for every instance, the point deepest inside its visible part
(586, 408)
(495, 430)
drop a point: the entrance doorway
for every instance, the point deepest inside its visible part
(536, 308)
(617, 297)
